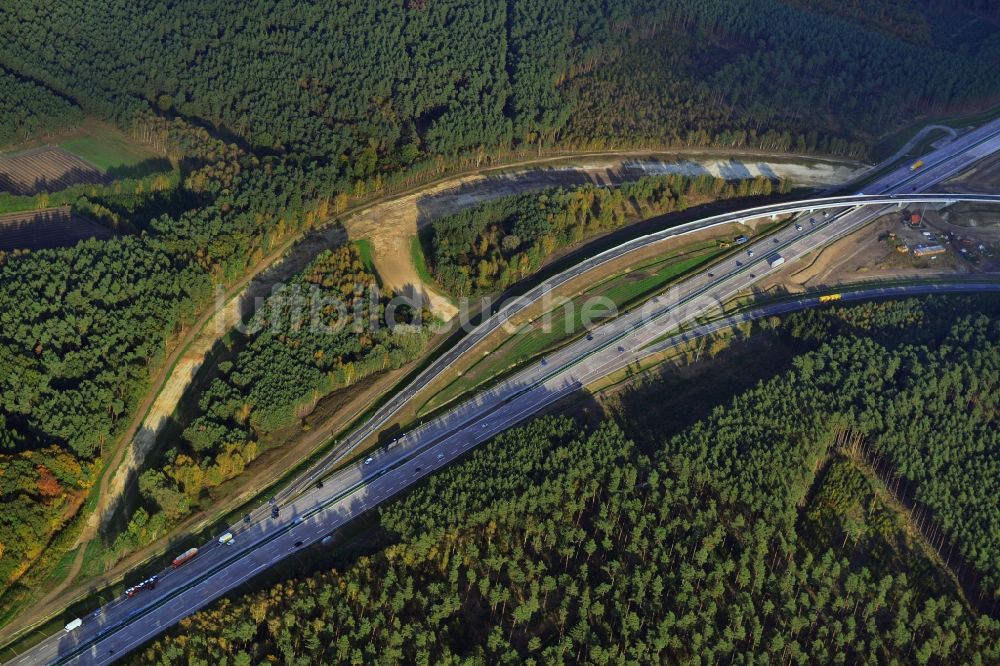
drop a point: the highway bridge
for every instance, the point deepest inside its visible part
(308, 512)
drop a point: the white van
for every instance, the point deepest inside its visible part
(73, 625)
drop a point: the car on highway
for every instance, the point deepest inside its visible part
(439, 456)
(621, 349)
(298, 544)
(227, 539)
(711, 275)
(368, 461)
(319, 484)
(297, 520)
(274, 511)
(798, 227)
(812, 220)
(97, 613)
(749, 253)
(246, 519)
(777, 240)
(738, 263)
(544, 362)
(590, 336)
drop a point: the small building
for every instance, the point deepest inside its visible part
(928, 250)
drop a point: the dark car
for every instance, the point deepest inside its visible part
(319, 484)
(298, 543)
(274, 512)
(246, 519)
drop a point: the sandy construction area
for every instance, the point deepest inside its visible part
(391, 226)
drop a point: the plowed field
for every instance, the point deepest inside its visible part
(53, 227)
(45, 169)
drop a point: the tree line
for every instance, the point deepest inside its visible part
(324, 330)
(494, 244)
(376, 89)
(278, 113)
(28, 109)
(743, 537)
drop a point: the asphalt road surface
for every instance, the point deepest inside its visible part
(313, 512)
(902, 184)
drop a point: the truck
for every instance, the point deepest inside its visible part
(916, 165)
(75, 624)
(185, 556)
(775, 260)
(227, 539)
(147, 584)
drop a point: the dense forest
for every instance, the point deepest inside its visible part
(278, 114)
(493, 245)
(39, 490)
(326, 329)
(755, 533)
(82, 329)
(385, 84)
(28, 109)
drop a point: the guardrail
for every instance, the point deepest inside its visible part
(389, 409)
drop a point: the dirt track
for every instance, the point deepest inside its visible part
(391, 226)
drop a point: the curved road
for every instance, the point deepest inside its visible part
(898, 187)
(317, 510)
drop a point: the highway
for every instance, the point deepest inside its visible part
(897, 188)
(504, 314)
(308, 512)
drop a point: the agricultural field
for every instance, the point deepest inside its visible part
(45, 169)
(112, 152)
(53, 227)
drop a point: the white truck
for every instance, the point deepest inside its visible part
(775, 260)
(227, 539)
(75, 624)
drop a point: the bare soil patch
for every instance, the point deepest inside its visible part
(866, 254)
(51, 227)
(391, 226)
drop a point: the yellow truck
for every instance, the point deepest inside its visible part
(916, 165)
